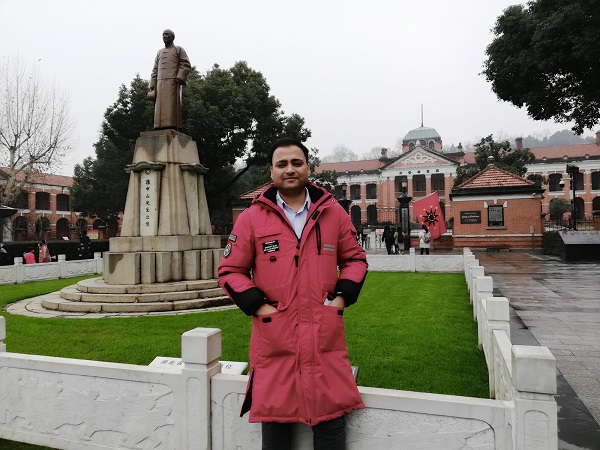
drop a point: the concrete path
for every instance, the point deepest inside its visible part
(557, 305)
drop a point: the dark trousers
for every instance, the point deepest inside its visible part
(330, 435)
(425, 249)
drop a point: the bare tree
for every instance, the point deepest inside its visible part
(35, 126)
(340, 153)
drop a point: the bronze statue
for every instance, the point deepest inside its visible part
(170, 72)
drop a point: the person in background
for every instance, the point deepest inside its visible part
(401, 242)
(29, 256)
(424, 239)
(388, 238)
(280, 266)
(396, 237)
(44, 254)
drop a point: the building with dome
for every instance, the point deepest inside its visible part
(373, 186)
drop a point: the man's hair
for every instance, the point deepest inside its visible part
(287, 142)
(170, 32)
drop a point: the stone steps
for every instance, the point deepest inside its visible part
(95, 296)
(56, 302)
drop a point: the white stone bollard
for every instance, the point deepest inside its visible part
(535, 413)
(62, 265)
(474, 271)
(98, 259)
(496, 318)
(200, 352)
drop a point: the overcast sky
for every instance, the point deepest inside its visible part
(357, 71)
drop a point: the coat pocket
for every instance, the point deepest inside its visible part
(275, 336)
(331, 329)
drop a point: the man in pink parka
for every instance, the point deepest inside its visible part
(280, 266)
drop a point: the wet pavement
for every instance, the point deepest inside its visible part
(557, 304)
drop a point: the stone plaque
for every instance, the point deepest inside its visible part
(470, 217)
(149, 202)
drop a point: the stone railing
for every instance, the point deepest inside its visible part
(24, 273)
(66, 403)
(412, 262)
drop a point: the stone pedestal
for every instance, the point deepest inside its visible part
(166, 233)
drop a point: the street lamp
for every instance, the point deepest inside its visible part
(573, 170)
(404, 201)
(343, 200)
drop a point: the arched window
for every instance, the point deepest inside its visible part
(355, 216)
(579, 208)
(42, 228)
(42, 201)
(411, 145)
(371, 213)
(431, 145)
(62, 228)
(98, 224)
(20, 226)
(81, 227)
(596, 206)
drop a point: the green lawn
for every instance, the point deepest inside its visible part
(409, 331)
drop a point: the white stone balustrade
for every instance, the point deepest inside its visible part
(24, 273)
(66, 403)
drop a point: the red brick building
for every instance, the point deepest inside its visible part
(44, 212)
(422, 168)
(497, 209)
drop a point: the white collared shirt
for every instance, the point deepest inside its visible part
(297, 219)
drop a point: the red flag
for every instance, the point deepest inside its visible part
(428, 212)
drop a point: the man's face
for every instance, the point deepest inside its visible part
(167, 37)
(289, 170)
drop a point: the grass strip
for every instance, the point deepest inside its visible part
(408, 331)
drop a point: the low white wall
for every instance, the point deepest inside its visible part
(24, 273)
(75, 404)
(411, 262)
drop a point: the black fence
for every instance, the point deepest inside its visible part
(567, 224)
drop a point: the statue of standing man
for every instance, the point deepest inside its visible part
(170, 72)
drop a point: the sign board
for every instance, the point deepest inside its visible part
(93, 234)
(470, 217)
(227, 367)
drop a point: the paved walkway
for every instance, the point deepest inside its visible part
(557, 305)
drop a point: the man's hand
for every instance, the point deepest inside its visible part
(265, 309)
(338, 302)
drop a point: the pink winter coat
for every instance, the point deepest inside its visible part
(300, 371)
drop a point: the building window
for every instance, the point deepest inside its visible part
(355, 216)
(371, 214)
(578, 181)
(419, 184)
(431, 145)
(495, 216)
(437, 182)
(355, 192)
(596, 181)
(411, 145)
(42, 201)
(553, 182)
(371, 191)
(62, 202)
(22, 201)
